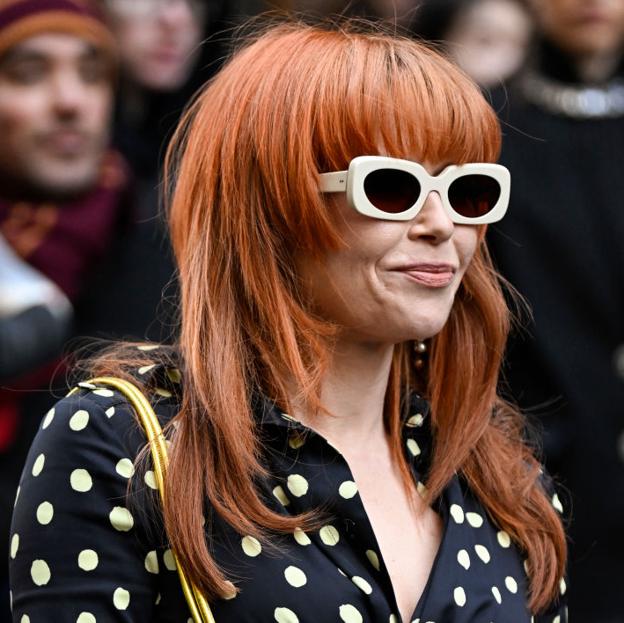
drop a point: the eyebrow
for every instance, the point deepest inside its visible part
(23, 53)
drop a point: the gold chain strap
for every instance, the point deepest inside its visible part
(200, 610)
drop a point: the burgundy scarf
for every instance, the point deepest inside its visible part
(64, 242)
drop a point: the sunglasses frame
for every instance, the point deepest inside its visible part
(352, 182)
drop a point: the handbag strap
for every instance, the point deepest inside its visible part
(200, 610)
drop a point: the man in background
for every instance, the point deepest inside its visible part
(561, 246)
(61, 191)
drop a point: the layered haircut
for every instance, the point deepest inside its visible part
(244, 203)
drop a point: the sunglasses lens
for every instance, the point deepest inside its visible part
(391, 190)
(474, 195)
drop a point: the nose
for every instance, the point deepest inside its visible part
(432, 221)
(68, 93)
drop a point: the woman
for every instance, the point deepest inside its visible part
(488, 39)
(309, 480)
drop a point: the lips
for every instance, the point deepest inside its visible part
(430, 275)
(65, 142)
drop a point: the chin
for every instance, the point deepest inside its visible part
(66, 184)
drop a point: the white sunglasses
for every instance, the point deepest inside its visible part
(395, 190)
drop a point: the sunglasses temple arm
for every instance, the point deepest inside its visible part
(335, 182)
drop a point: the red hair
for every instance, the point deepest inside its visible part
(243, 174)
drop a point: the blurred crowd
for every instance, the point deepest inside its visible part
(88, 102)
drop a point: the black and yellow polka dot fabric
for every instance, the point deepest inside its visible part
(81, 551)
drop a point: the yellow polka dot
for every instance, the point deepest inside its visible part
(150, 479)
(169, 560)
(347, 489)
(350, 614)
(362, 584)
(231, 592)
(25, 619)
(557, 619)
(121, 519)
(556, 502)
(393, 619)
(285, 615)
(474, 519)
(415, 421)
(37, 467)
(158, 598)
(511, 584)
(297, 485)
(148, 347)
(251, 546)
(165, 393)
(121, 598)
(280, 494)
(145, 369)
(295, 576)
(457, 513)
(80, 480)
(151, 562)
(125, 468)
(105, 393)
(497, 594)
(296, 441)
(85, 617)
(413, 447)
(373, 558)
(14, 545)
(40, 572)
(504, 540)
(329, 535)
(79, 420)
(482, 553)
(562, 586)
(463, 558)
(88, 560)
(459, 595)
(110, 412)
(421, 488)
(301, 537)
(174, 375)
(45, 513)
(47, 420)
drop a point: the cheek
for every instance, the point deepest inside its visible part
(100, 107)
(466, 239)
(21, 113)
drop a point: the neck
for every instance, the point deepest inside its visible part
(353, 391)
(597, 67)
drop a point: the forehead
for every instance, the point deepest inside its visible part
(52, 47)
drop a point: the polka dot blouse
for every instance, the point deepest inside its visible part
(81, 551)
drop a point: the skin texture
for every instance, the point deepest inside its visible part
(159, 49)
(55, 106)
(489, 40)
(583, 27)
(358, 288)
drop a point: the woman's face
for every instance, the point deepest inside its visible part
(158, 39)
(393, 280)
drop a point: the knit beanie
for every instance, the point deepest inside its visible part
(21, 19)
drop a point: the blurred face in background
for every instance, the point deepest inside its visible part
(489, 39)
(55, 106)
(582, 26)
(158, 39)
